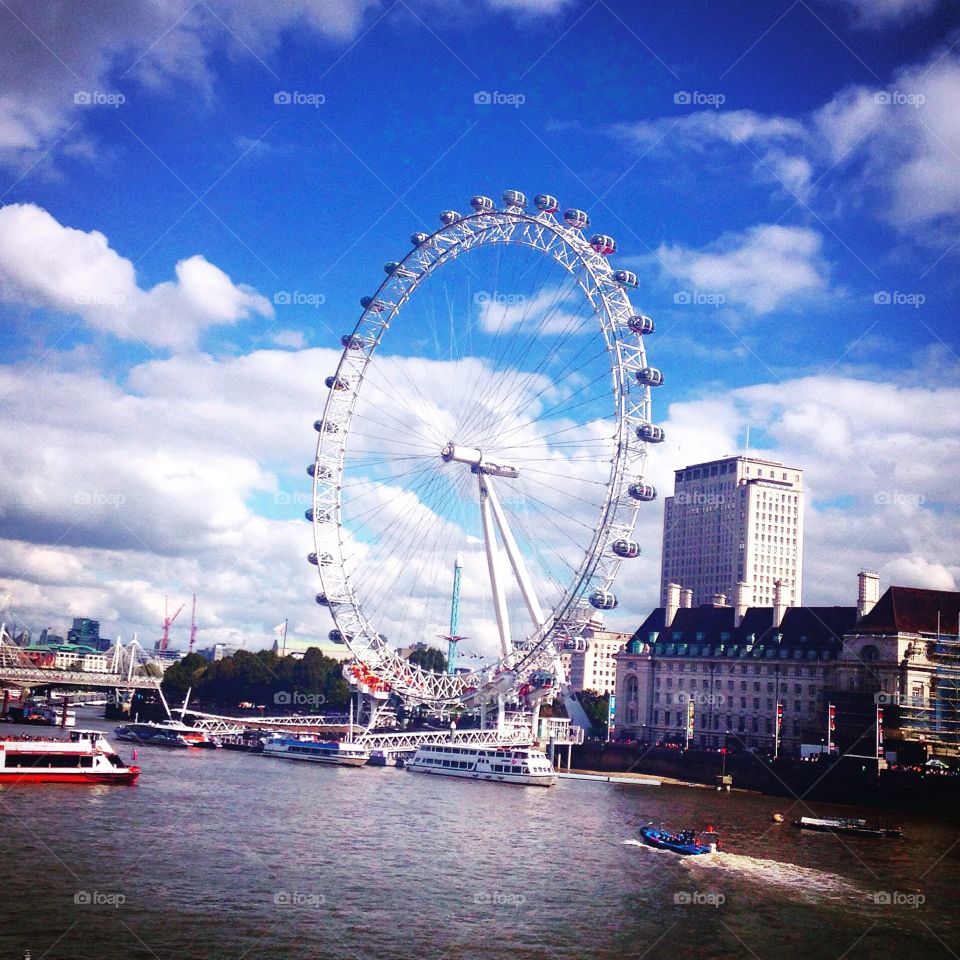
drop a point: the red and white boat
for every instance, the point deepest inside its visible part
(85, 758)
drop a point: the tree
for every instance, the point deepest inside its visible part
(430, 658)
(597, 708)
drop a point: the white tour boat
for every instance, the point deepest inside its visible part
(502, 764)
(85, 758)
(317, 751)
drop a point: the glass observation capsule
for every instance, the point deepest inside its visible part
(319, 471)
(643, 492)
(641, 325)
(514, 198)
(603, 599)
(626, 278)
(337, 383)
(374, 306)
(546, 203)
(351, 341)
(449, 216)
(603, 244)
(576, 219)
(418, 238)
(650, 432)
(482, 204)
(627, 549)
(650, 377)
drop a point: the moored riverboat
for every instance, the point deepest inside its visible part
(847, 825)
(317, 751)
(519, 765)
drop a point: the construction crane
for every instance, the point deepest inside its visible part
(167, 620)
(193, 624)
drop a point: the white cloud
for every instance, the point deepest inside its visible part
(876, 14)
(894, 147)
(765, 268)
(45, 264)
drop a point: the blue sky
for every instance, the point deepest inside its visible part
(781, 176)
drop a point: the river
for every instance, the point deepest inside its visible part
(229, 855)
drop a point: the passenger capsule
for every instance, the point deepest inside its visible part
(309, 514)
(576, 219)
(603, 244)
(391, 267)
(643, 492)
(418, 238)
(514, 198)
(326, 426)
(603, 600)
(321, 560)
(449, 216)
(337, 383)
(351, 341)
(326, 601)
(641, 325)
(374, 306)
(650, 432)
(312, 557)
(546, 203)
(482, 204)
(319, 471)
(335, 636)
(627, 549)
(626, 278)
(650, 377)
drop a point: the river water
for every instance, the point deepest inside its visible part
(227, 855)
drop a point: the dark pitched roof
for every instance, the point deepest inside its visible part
(911, 610)
(803, 629)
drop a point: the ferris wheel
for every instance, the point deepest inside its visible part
(491, 407)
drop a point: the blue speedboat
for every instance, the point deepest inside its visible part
(687, 842)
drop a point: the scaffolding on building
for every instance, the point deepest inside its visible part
(933, 714)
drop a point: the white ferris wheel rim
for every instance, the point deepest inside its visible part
(610, 305)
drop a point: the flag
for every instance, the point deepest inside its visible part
(279, 628)
(134, 753)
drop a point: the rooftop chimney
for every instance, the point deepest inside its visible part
(719, 599)
(779, 603)
(673, 603)
(686, 598)
(869, 592)
(741, 603)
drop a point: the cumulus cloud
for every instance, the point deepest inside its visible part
(765, 268)
(875, 14)
(893, 147)
(47, 265)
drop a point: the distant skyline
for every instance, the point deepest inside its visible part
(196, 195)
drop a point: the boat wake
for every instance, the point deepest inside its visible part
(807, 883)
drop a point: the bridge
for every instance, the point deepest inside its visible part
(16, 667)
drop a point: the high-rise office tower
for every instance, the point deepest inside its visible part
(735, 527)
